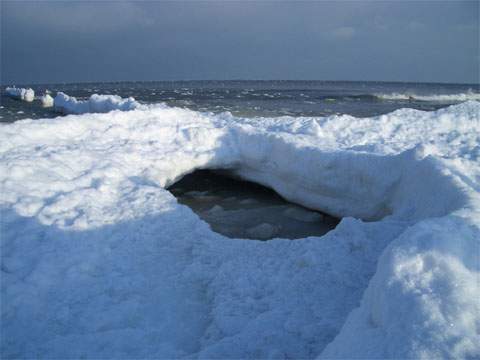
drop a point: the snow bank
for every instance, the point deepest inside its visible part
(98, 260)
(446, 98)
(95, 104)
(20, 93)
(426, 286)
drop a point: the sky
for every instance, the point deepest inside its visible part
(68, 41)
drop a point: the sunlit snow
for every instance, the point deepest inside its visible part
(99, 260)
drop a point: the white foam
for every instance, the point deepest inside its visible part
(100, 261)
(445, 98)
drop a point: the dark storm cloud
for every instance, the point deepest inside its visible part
(102, 41)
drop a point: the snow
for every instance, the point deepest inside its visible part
(100, 261)
(20, 93)
(428, 288)
(95, 104)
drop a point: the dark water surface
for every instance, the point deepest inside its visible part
(242, 209)
(257, 98)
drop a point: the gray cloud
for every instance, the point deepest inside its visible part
(100, 41)
(82, 17)
(344, 32)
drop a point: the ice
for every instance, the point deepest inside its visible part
(47, 100)
(20, 93)
(95, 104)
(262, 231)
(99, 260)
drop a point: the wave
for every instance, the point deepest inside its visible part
(447, 98)
(105, 103)
(96, 103)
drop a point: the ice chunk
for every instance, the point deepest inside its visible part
(47, 100)
(263, 231)
(21, 93)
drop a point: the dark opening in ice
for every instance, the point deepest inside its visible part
(243, 209)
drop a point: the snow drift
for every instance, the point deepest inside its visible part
(20, 93)
(99, 260)
(95, 104)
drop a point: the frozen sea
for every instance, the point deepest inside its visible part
(102, 258)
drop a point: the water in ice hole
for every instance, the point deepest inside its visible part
(243, 209)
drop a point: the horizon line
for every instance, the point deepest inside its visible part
(238, 80)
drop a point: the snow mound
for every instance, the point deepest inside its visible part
(424, 287)
(20, 93)
(447, 98)
(100, 261)
(95, 104)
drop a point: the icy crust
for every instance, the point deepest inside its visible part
(98, 260)
(20, 93)
(95, 104)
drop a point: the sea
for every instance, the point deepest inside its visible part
(257, 98)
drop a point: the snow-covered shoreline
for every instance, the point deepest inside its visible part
(107, 264)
